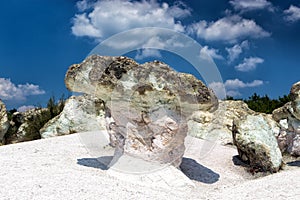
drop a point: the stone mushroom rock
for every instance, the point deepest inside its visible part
(149, 104)
(289, 118)
(255, 138)
(4, 123)
(217, 125)
(80, 114)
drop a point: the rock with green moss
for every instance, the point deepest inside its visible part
(255, 138)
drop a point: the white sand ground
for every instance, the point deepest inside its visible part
(63, 168)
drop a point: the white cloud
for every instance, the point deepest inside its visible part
(84, 5)
(292, 14)
(233, 93)
(228, 29)
(236, 84)
(146, 53)
(25, 108)
(10, 91)
(207, 53)
(247, 5)
(110, 17)
(232, 87)
(249, 64)
(236, 50)
(219, 89)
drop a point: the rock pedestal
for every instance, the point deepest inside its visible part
(149, 104)
(289, 118)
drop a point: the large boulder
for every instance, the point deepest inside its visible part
(217, 125)
(149, 104)
(80, 114)
(255, 138)
(289, 118)
(4, 123)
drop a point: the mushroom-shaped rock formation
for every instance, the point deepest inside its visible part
(289, 116)
(149, 104)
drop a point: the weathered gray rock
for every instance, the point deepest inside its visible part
(80, 114)
(149, 104)
(217, 125)
(254, 136)
(4, 124)
(288, 138)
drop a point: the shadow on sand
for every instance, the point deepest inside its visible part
(189, 167)
(195, 171)
(99, 163)
(294, 163)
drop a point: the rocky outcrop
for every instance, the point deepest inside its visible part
(80, 114)
(254, 137)
(289, 118)
(217, 125)
(149, 104)
(18, 124)
(4, 124)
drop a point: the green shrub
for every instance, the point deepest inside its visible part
(264, 104)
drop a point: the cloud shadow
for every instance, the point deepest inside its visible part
(195, 171)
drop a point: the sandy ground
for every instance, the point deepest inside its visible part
(63, 168)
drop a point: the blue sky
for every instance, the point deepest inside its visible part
(254, 43)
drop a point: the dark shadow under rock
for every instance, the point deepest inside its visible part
(99, 163)
(195, 171)
(294, 163)
(239, 162)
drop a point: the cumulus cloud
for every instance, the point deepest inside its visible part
(207, 53)
(228, 29)
(236, 50)
(247, 5)
(146, 53)
(10, 91)
(232, 87)
(236, 84)
(104, 18)
(25, 108)
(249, 64)
(292, 14)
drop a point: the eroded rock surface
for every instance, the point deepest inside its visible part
(289, 118)
(217, 125)
(254, 136)
(4, 124)
(149, 104)
(80, 114)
